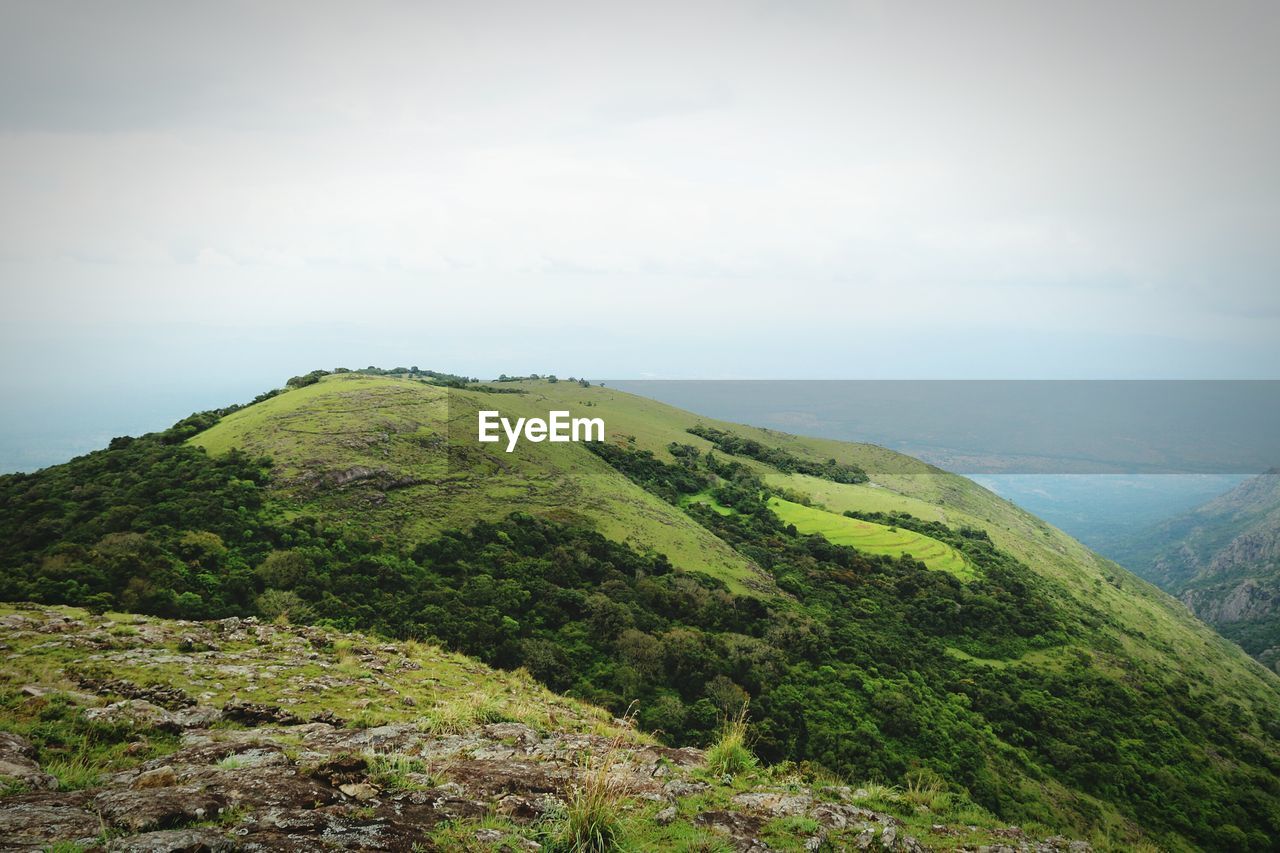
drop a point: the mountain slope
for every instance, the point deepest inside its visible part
(1223, 561)
(1045, 682)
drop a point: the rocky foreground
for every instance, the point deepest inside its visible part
(137, 734)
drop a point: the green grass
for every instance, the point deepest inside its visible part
(593, 817)
(400, 772)
(873, 538)
(705, 498)
(447, 690)
(76, 751)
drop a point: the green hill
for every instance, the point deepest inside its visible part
(978, 649)
(404, 452)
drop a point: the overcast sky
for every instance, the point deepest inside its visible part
(222, 194)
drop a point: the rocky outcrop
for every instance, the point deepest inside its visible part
(34, 821)
(1259, 547)
(250, 775)
(1242, 602)
(18, 765)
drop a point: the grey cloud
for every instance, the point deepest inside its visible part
(1089, 171)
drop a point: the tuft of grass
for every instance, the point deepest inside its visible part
(730, 754)
(399, 772)
(74, 772)
(593, 816)
(10, 787)
(460, 715)
(783, 831)
(926, 788)
(370, 720)
(878, 792)
(461, 834)
(350, 664)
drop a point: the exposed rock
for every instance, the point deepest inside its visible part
(677, 788)
(342, 770)
(359, 790)
(161, 777)
(138, 713)
(37, 820)
(18, 622)
(502, 777)
(742, 830)
(1247, 600)
(197, 717)
(157, 808)
(775, 805)
(18, 764)
(329, 717)
(190, 840)
(170, 698)
(257, 714)
(269, 787)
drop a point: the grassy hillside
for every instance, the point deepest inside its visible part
(1013, 667)
(416, 469)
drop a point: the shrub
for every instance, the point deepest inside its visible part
(284, 605)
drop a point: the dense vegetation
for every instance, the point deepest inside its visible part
(666, 481)
(148, 524)
(779, 458)
(868, 666)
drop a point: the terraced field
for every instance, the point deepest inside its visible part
(873, 538)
